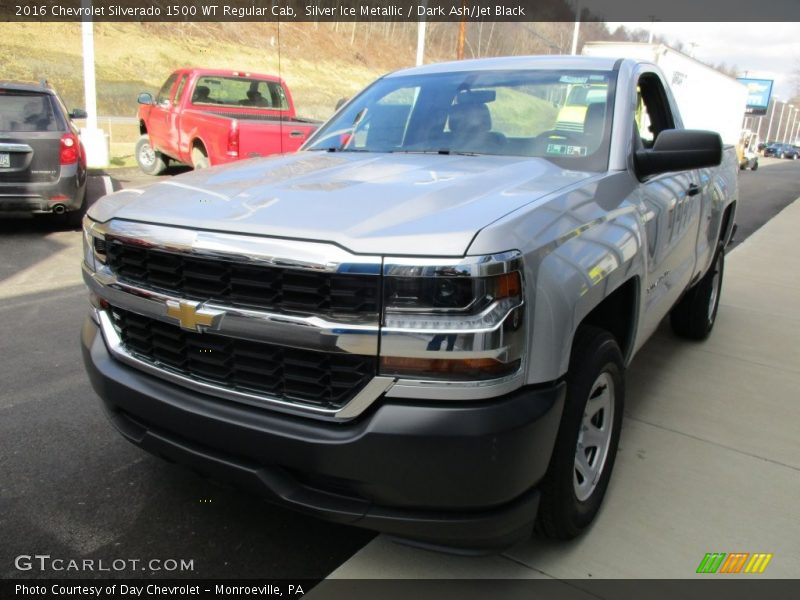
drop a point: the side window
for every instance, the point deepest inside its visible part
(179, 91)
(163, 93)
(653, 114)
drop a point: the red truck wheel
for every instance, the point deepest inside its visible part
(199, 158)
(149, 160)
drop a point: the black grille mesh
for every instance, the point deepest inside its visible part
(305, 377)
(236, 284)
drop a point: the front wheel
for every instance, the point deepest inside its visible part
(755, 166)
(693, 317)
(150, 161)
(588, 436)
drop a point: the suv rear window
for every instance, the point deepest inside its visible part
(27, 112)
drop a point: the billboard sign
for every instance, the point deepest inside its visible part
(758, 95)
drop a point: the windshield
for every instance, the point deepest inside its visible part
(562, 116)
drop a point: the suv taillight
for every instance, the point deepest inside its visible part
(233, 139)
(70, 149)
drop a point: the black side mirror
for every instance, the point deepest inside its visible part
(145, 98)
(679, 150)
(78, 113)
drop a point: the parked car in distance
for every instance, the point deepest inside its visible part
(782, 151)
(42, 159)
(205, 117)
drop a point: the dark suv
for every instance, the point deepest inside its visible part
(42, 160)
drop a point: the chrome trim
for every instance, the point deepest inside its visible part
(504, 344)
(297, 331)
(6, 147)
(418, 389)
(246, 249)
(360, 402)
(468, 266)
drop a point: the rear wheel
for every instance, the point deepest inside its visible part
(694, 315)
(586, 446)
(200, 158)
(74, 218)
(150, 161)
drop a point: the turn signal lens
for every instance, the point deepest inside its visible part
(456, 369)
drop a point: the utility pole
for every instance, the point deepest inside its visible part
(576, 30)
(94, 139)
(462, 31)
(421, 26)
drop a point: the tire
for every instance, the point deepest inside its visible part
(693, 317)
(150, 161)
(74, 218)
(755, 166)
(200, 158)
(782, 155)
(571, 496)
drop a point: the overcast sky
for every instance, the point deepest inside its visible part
(764, 50)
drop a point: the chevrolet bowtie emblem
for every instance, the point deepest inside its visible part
(192, 317)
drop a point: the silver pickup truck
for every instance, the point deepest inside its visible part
(420, 322)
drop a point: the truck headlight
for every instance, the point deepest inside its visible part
(459, 320)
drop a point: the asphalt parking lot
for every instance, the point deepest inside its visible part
(71, 487)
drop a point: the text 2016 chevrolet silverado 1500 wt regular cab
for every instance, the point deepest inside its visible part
(419, 323)
(205, 117)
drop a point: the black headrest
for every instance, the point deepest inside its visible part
(471, 118)
(201, 91)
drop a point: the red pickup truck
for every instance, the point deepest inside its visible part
(204, 117)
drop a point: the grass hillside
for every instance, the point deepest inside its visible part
(318, 62)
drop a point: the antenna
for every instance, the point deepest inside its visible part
(280, 76)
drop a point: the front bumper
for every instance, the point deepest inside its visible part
(453, 474)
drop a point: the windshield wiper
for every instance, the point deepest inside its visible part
(442, 151)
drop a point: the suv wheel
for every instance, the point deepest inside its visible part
(150, 161)
(74, 218)
(586, 446)
(694, 315)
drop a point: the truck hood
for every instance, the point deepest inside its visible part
(391, 204)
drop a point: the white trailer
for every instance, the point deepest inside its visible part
(706, 98)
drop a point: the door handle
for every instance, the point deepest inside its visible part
(296, 133)
(693, 190)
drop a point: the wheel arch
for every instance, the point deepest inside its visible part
(618, 314)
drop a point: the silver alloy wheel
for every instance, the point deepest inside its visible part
(594, 437)
(147, 156)
(715, 285)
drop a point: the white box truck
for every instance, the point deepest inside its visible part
(707, 98)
